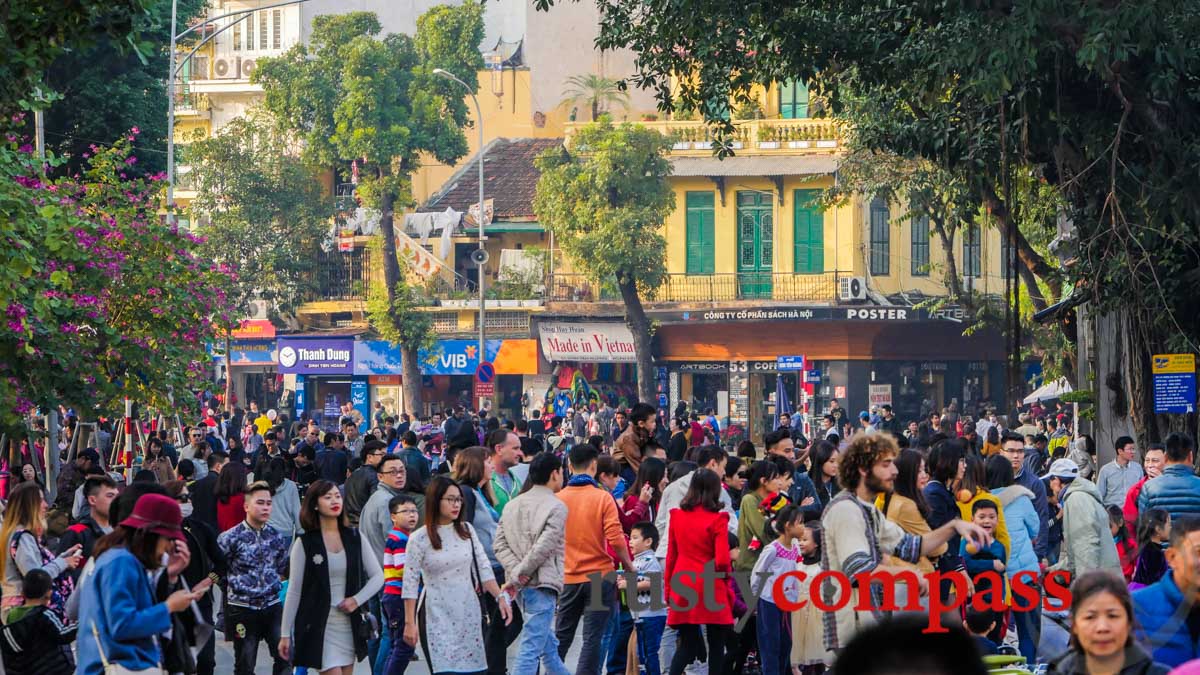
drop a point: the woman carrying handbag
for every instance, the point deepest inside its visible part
(121, 623)
(332, 576)
(447, 557)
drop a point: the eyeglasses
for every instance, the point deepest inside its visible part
(453, 500)
(405, 512)
(743, 475)
(392, 472)
(183, 498)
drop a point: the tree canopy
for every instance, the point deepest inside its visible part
(262, 211)
(605, 199)
(353, 98)
(100, 300)
(1098, 100)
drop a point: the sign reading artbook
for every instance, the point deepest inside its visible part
(587, 342)
(316, 356)
(1174, 382)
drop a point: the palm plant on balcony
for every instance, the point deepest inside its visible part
(598, 93)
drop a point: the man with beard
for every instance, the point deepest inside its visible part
(857, 537)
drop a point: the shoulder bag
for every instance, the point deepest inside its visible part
(116, 668)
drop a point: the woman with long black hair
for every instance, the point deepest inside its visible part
(906, 505)
(332, 574)
(445, 570)
(824, 469)
(946, 465)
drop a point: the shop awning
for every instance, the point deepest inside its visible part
(587, 342)
(1049, 391)
(754, 166)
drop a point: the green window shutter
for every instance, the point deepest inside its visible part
(793, 100)
(809, 233)
(701, 244)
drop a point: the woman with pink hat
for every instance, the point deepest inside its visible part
(120, 619)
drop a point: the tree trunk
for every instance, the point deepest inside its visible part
(1114, 381)
(412, 380)
(1033, 266)
(953, 282)
(639, 325)
(391, 277)
(229, 372)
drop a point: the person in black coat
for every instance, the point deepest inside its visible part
(207, 562)
(35, 641)
(203, 491)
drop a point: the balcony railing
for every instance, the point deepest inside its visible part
(341, 276)
(751, 137)
(192, 104)
(706, 288)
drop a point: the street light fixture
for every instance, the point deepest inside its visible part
(482, 255)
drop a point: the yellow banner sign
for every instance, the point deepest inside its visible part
(1163, 364)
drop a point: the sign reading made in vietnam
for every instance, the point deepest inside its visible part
(587, 342)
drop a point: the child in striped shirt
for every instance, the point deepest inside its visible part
(404, 521)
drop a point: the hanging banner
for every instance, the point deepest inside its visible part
(471, 219)
(419, 261)
(587, 342)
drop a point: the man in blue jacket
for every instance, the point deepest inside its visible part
(1167, 620)
(1177, 490)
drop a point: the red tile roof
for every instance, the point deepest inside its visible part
(509, 177)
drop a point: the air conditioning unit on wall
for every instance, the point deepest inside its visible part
(235, 68)
(851, 289)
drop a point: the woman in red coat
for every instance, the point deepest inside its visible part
(698, 536)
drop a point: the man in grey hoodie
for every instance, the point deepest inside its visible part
(1087, 541)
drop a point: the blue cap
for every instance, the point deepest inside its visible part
(864, 415)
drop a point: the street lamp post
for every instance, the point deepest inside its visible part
(479, 122)
(173, 71)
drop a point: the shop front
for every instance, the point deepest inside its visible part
(590, 363)
(323, 368)
(447, 373)
(730, 361)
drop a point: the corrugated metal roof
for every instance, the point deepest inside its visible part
(754, 166)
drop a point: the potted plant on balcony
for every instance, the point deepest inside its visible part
(703, 139)
(825, 137)
(649, 117)
(796, 137)
(768, 137)
(679, 139)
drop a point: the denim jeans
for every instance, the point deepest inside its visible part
(649, 636)
(401, 653)
(379, 650)
(774, 639)
(538, 641)
(572, 606)
(250, 626)
(1029, 631)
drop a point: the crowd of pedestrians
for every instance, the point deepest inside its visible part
(459, 539)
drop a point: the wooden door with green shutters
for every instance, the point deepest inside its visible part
(756, 237)
(808, 233)
(700, 233)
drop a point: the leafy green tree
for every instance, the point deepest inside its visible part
(351, 97)
(605, 199)
(263, 215)
(106, 89)
(595, 92)
(100, 300)
(1098, 100)
(33, 33)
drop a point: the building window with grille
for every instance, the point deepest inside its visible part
(881, 238)
(1008, 258)
(249, 32)
(920, 247)
(237, 36)
(971, 251)
(262, 30)
(793, 100)
(700, 233)
(277, 29)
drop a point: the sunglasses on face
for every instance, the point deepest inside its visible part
(183, 498)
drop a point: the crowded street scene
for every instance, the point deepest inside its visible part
(599, 337)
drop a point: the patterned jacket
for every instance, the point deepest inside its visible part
(257, 561)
